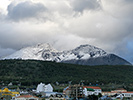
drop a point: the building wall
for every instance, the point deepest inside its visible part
(127, 94)
(44, 88)
(41, 87)
(48, 88)
(26, 98)
(96, 92)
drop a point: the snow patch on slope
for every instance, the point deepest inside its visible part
(47, 53)
(33, 52)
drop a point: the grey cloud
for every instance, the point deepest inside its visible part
(5, 51)
(109, 28)
(121, 9)
(25, 10)
(126, 50)
(81, 5)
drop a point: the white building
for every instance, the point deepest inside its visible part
(48, 88)
(90, 90)
(120, 93)
(127, 94)
(44, 88)
(40, 87)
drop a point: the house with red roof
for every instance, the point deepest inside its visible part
(128, 94)
(27, 97)
(120, 93)
(113, 92)
(119, 90)
(90, 90)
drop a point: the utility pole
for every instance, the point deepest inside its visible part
(76, 92)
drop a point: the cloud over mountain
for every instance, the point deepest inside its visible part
(67, 24)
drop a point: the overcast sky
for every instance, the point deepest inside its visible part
(65, 24)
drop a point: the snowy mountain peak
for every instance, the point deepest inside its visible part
(87, 51)
(47, 53)
(32, 52)
(43, 45)
(88, 48)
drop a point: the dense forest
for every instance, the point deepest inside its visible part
(32, 72)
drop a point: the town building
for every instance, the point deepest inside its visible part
(74, 91)
(119, 90)
(108, 93)
(90, 90)
(119, 94)
(27, 97)
(48, 88)
(44, 88)
(128, 94)
(57, 96)
(40, 87)
(113, 92)
(7, 94)
(79, 91)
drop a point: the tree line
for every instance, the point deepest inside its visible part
(32, 72)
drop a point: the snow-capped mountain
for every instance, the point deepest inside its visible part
(84, 54)
(33, 52)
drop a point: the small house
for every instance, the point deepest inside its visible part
(27, 97)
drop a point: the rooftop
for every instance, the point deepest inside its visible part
(92, 87)
(26, 96)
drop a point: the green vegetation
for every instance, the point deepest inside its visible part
(32, 72)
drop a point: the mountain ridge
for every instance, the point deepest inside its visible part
(83, 54)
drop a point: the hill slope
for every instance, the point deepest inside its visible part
(110, 59)
(84, 55)
(32, 72)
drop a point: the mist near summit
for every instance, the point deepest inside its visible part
(66, 24)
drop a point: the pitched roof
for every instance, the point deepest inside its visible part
(92, 87)
(120, 89)
(26, 96)
(6, 90)
(0, 90)
(67, 88)
(128, 92)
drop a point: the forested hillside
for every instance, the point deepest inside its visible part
(30, 72)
